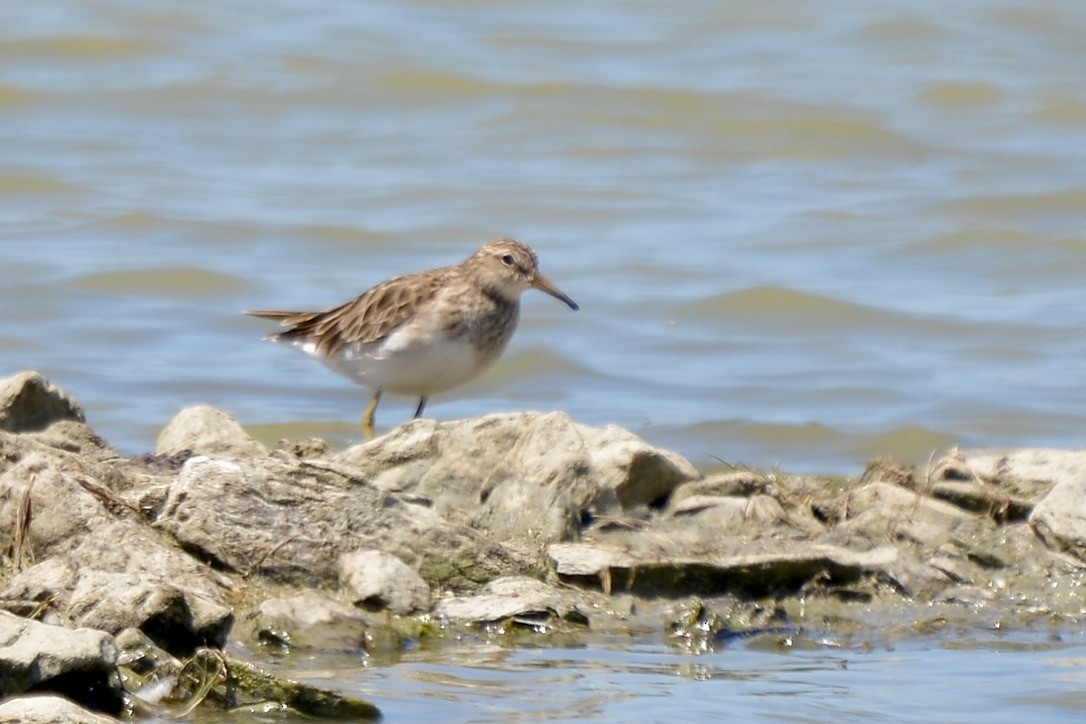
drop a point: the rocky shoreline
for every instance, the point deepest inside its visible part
(123, 578)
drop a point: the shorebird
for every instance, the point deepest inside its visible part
(424, 333)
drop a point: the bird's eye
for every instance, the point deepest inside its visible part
(507, 259)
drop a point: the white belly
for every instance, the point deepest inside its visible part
(407, 365)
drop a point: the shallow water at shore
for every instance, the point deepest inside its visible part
(959, 678)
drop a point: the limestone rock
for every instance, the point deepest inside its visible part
(524, 476)
(205, 430)
(308, 608)
(41, 497)
(512, 597)
(77, 438)
(1060, 518)
(378, 580)
(99, 568)
(732, 483)
(48, 709)
(310, 620)
(177, 612)
(725, 512)
(891, 504)
(290, 520)
(1025, 475)
(77, 663)
(29, 402)
(982, 498)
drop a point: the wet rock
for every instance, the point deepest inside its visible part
(516, 597)
(29, 402)
(48, 709)
(310, 620)
(697, 626)
(158, 549)
(204, 430)
(529, 476)
(240, 684)
(955, 566)
(139, 656)
(677, 572)
(79, 664)
(967, 596)
(377, 580)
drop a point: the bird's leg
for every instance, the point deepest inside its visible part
(420, 408)
(367, 416)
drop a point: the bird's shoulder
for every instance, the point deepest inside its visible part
(374, 314)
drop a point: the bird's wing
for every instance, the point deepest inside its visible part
(367, 318)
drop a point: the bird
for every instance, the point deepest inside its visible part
(424, 333)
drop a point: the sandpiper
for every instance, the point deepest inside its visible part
(424, 333)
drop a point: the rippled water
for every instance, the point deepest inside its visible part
(800, 233)
(986, 679)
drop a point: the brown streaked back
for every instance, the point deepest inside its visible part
(367, 318)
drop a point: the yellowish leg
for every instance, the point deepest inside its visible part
(420, 408)
(367, 416)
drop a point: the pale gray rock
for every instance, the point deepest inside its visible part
(290, 520)
(1045, 484)
(1059, 520)
(205, 430)
(1019, 475)
(723, 512)
(732, 483)
(180, 612)
(378, 580)
(509, 598)
(76, 438)
(101, 568)
(313, 620)
(728, 513)
(523, 476)
(78, 663)
(308, 608)
(893, 504)
(29, 402)
(60, 510)
(48, 709)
